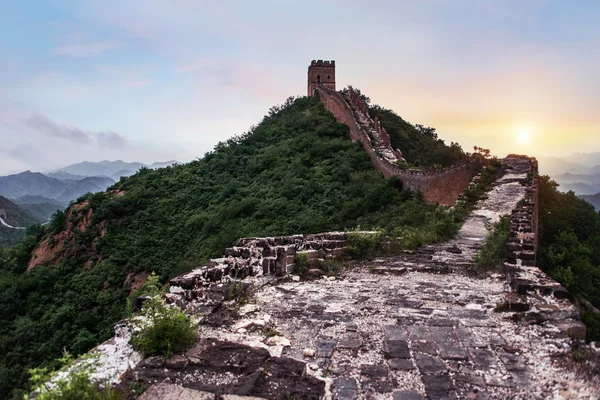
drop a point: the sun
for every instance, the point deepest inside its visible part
(523, 136)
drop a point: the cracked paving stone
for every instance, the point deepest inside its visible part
(400, 364)
(344, 389)
(325, 347)
(430, 365)
(407, 395)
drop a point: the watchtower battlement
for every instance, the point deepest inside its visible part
(321, 73)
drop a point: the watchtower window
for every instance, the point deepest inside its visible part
(318, 79)
(328, 76)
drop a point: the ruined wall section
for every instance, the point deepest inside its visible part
(256, 261)
(441, 187)
(538, 298)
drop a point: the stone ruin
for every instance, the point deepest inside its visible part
(414, 325)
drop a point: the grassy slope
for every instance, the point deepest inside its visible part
(296, 172)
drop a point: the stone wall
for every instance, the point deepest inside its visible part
(540, 298)
(441, 187)
(252, 260)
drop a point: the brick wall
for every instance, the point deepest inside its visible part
(441, 187)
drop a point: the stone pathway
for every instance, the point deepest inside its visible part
(412, 326)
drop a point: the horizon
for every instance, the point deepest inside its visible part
(83, 81)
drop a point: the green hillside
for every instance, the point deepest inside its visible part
(296, 172)
(15, 216)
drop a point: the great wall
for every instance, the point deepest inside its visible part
(441, 187)
(414, 325)
(418, 324)
(3, 222)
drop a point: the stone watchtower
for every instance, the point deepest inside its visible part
(321, 73)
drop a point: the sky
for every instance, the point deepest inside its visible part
(155, 80)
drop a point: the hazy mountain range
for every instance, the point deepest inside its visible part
(41, 194)
(578, 172)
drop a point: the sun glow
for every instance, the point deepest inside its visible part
(523, 136)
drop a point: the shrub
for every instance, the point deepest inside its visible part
(73, 382)
(160, 328)
(302, 263)
(492, 255)
(365, 245)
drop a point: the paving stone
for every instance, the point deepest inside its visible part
(512, 362)
(441, 333)
(407, 395)
(400, 364)
(470, 379)
(482, 359)
(442, 322)
(395, 344)
(344, 389)
(374, 371)
(418, 332)
(492, 380)
(430, 365)
(452, 351)
(424, 347)
(438, 386)
(351, 341)
(325, 347)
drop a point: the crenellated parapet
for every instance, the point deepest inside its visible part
(538, 298)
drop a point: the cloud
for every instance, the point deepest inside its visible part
(194, 66)
(74, 134)
(87, 50)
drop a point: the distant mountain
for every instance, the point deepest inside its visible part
(579, 188)
(36, 184)
(554, 166)
(87, 185)
(124, 172)
(594, 199)
(63, 176)
(102, 168)
(108, 168)
(58, 188)
(30, 183)
(17, 217)
(158, 165)
(588, 159)
(31, 199)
